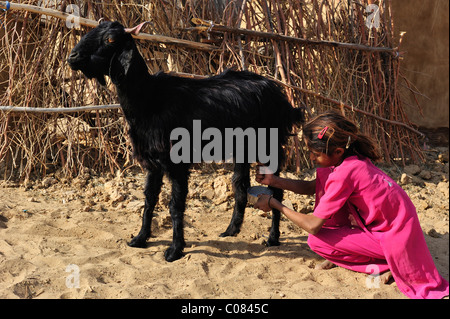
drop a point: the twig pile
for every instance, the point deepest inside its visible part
(321, 51)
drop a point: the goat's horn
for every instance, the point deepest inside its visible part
(101, 20)
(137, 29)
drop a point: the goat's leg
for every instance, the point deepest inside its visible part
(274, 235)
(152, 190)
(241, 183)
(177, 207)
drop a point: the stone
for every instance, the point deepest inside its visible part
(49, 181)
(135, 206)
(426, 175)
(117, 196)
(209, 194)
(405, 179)
(412, 169)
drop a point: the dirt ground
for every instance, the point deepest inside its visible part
(62, 238)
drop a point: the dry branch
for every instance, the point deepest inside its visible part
(340, 105)
(91, 23)
(212, 27)
(59, 110)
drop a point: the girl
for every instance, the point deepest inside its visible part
(362, 219)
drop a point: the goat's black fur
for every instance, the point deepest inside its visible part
(154, 105)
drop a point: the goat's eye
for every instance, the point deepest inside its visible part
(110, 40)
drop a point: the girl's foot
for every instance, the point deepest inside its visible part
(385, 277)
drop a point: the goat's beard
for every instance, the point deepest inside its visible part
(101, 80)
(99, 76)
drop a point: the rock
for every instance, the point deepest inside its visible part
(221, 189)
(110, 185)
(28, 184)
(132, 185)
(223, 206)
(48, 181)
(114, 192)
(412, 169)
(254, 236)
(209, 194)
(405, 179)
(220, 186)
(288, 204)
(443, 188)
(135, 206)
(79, 182)
(164, 198)
(443, 157)
(433, 233)
(263, 214)
(117, 196)
(3, 221)
(423, 205)
(426, 175)
(164, 221)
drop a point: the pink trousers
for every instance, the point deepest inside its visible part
(361, 251)
(350, 248)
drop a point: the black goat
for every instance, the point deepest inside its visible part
(155, 105)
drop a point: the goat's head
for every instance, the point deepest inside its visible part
(94, 53)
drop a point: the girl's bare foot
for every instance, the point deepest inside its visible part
(325, 265)
(385, 277)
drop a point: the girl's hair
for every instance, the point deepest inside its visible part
(331, 130)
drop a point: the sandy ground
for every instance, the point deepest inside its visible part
(63, 238)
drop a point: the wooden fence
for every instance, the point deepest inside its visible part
(324, 53)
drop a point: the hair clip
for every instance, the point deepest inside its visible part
(348, 142)
(322, 133)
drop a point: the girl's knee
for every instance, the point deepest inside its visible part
(315, 243)
(321, 246)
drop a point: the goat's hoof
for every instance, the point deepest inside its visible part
(272, 242)
(137, 242)
(229, 233)
(172, 254)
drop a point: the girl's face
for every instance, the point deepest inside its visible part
(321, 159)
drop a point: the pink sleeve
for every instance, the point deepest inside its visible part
(338, 189)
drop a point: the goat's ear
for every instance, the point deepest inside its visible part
(125, 59)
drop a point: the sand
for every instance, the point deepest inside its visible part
(62, 238)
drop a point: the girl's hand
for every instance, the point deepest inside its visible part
(263, 175)
(263, 202)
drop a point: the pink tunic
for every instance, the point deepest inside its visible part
(389, 235)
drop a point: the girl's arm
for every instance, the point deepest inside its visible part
(296, 186)
(310, 223)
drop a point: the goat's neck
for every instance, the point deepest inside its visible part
(132, 85)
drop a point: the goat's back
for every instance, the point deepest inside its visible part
(229, 100)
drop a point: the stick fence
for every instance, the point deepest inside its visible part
(322, 52)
